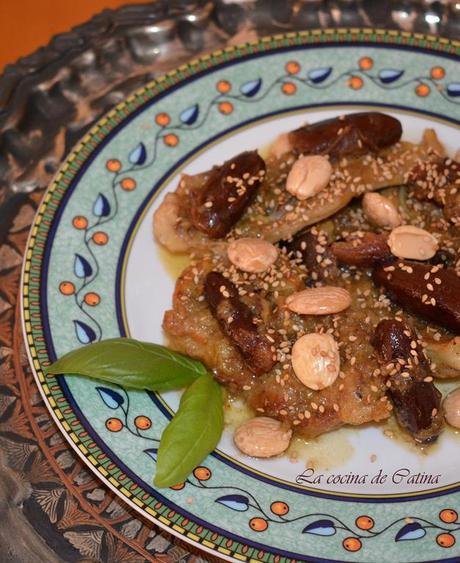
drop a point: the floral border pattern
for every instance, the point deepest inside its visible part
(409, 528)
(51, 389)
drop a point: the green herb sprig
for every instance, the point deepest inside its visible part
(198, 424)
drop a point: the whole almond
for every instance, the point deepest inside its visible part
(325, 300)
(262, 437)
(308, 176)
(380, 211)
(412, 243)
(252, 255)
(315, 360)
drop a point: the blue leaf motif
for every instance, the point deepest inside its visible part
(152, 452)
(389, 75)
(101, 207)
(318, 75)
(250, 89)
(85, 333)
(413, 531)
(111, 398)
(320, 528)
(239, 503)
(82, 267)
(453, 89)
(190, 115)
(138, 155)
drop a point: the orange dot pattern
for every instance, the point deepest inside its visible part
(289, 88)
(279, 508)
(445, 540)
(162, 119)
(292, 67)
(423, 90)
(437, 73)
(80, 222)
(364, 522)
(100, 238)
(178, 487)
(352, 544)
(258, 524)
(448, 515)
(114, 424)
(226, 108)
(365, 63)
(67, 288)
(171, 140)
(113, 165)
(128, 184)
(92, 299)
(142, 422)
(202, 473)
(356, 82)
(223, 86)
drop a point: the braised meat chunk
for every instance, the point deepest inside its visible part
(212, 295)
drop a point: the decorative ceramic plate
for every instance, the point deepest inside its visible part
(93, 271)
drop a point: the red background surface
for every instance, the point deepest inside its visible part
(26, 25)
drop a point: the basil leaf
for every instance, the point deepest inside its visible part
(192, 434)
(130, 363)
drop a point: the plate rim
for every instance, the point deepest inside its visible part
(332, 37)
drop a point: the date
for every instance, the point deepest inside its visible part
(348, 135)
(238, 323)
(365, 250)
(428, 291)
(416, 400)
(229, 189)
